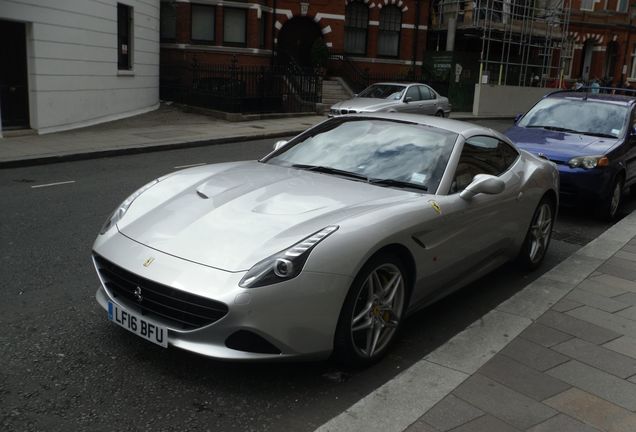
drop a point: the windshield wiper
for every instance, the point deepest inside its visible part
(397, 183)
(329, 170)
(554, 128)
(599, 134)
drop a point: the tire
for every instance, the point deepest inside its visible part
(372, 313)
(537, 240)
(439, 114)
(610, 206)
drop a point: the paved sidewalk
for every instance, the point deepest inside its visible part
(559, 356)
(166, 128)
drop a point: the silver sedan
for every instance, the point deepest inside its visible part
(326, 244)
(411, 98)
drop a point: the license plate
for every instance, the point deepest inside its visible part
(138, 325)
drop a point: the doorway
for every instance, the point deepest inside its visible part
(14, 92)
(296, 39)
(586, 63)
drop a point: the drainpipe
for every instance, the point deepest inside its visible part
(273, 31)
(417, 32)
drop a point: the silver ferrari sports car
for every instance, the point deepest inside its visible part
(326, 244)
(412, 98)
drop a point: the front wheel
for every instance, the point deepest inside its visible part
(439, 114)
(609, 208)
(372, 313)
(538, 236)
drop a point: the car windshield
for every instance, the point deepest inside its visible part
(383, 91)
(577, 116)
(385, 152)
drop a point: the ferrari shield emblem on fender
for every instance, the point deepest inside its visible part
(148, 262)
(435, 206)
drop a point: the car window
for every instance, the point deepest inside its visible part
(482, 155)
(383, 91)
(426, 93)
(373, 148)
(413, 93)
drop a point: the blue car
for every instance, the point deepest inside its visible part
(591, 137)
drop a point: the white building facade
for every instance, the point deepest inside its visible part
(66, 64)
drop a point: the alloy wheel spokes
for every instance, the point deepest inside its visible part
(540, 232)
(380, 304)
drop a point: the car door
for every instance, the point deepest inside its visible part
(428, 104)
(411, 103)
(474, 236)
(630, 151)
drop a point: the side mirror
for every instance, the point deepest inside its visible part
(483, 183)
(517, 118)
(408, 99)
(280, 144)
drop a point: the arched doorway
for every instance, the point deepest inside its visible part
(586, 59)
(295, 40)
(611, 55)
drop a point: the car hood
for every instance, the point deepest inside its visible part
(230, 216)
(559, 146)
(365, 104)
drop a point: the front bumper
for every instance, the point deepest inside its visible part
(298, 317)
(584, 187)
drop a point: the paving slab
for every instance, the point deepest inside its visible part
(533, 355)
(450, 413)
(615, 281)
(594, 300)
(626, 255)
(563, 423)
(543, 335)
(486, 424)
(575, 269)
(599, 357)
(619, 267)
(508, 405)
(471, 348)
(627, 298)
(593, 410)
(624, 345)
(597, 382)
(629, 248)
(420, 426)
(596, 286)
(536, 298)
(522, 378)
(576, 327)
(565, 305)
(612, 322)
(629, 313)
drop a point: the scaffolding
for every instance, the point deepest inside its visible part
(523, 42)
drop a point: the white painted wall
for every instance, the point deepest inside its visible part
(494, 100)
(72, 61)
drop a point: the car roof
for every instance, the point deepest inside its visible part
(459, 127)
(404, 84)
(601, 97)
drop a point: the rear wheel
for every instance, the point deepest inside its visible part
(372, 313)
(439, 114)
(538, 236)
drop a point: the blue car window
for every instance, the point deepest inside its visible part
(577, 115)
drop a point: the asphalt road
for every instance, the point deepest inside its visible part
(65, 367)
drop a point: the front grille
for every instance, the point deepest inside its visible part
(183, 310)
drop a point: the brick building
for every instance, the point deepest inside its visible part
(603, 46)
(383, 36)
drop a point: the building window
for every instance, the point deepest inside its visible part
(234, 26)
(587, 5)
(389, 34)
(262, 30)
(632, 74)
(202, 24)
(168, 21)
(622, 6)
(124, 36)
(356, 23)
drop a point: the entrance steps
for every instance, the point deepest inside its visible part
(334, 90)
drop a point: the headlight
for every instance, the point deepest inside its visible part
(286, 264)
(588, 162)
(123, 207)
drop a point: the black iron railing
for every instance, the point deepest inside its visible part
(241, 89)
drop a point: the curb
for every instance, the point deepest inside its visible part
(43, 160)
(400, 402)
